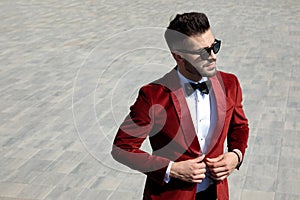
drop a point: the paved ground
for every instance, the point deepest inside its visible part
(70, 69)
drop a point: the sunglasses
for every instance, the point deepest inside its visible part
(205, 52)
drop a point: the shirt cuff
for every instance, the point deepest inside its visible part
(167, 176)
(239, 152)
(240, 157)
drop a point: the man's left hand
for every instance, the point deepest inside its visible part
(222, 166)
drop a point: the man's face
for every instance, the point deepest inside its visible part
(194, 64)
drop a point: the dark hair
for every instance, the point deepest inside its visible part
(184, 25)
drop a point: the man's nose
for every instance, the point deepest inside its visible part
(212, 55)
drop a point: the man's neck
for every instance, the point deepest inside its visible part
(190, 75)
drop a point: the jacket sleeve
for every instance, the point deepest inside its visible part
(238, 129)
(130, 136)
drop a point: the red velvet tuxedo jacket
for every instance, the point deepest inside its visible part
(161, 113)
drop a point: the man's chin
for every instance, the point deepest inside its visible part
(209, 72)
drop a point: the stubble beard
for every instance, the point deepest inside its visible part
(203, 70)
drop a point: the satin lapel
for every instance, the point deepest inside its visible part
(171, 81)
(186, 122)
(220, 96)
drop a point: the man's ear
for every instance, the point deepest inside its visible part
(177, 57)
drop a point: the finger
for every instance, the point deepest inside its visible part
(196, 181)
(220, 163)
(218, 170)
(220, 173)
(199, 171)
(222, 178)
(216, 164)
(199, 159)
(217, 159)
(219, 176)
(199, 177)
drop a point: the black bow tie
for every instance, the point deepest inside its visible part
(202, 87)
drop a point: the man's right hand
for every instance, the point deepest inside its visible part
(192, 170)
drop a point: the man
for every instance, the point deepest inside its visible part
(187, 115)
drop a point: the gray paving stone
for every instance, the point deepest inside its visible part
(271, 160)
(107, 182)
(35, 192)
(265, 139)
(288, 173)
(122, 194)
(95, 194)
(47, 154)
(291, 138)
(290, 152)
(61, 193)
(90, 169)
(12, 163)
(272, 125)
(133, 185)
(265, 150)
(286, 196)
(11, 189)
(21, 153)
(76, 180)
(260, 183)
(11, 198)
(257, 195)
(69, 156)
(237, 182)
(38, 165)
(265, 170)
(292, 125)
(288, 186)
(22, 176)
(235, 193)
(48, 178)
(286, 161)
(64, 167)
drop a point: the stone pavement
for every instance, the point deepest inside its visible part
(70, 69)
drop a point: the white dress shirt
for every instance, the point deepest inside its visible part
(204, 115)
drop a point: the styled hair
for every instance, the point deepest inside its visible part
(184, 25)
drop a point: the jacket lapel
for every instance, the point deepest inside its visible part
(171, 81)
(220, 96)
